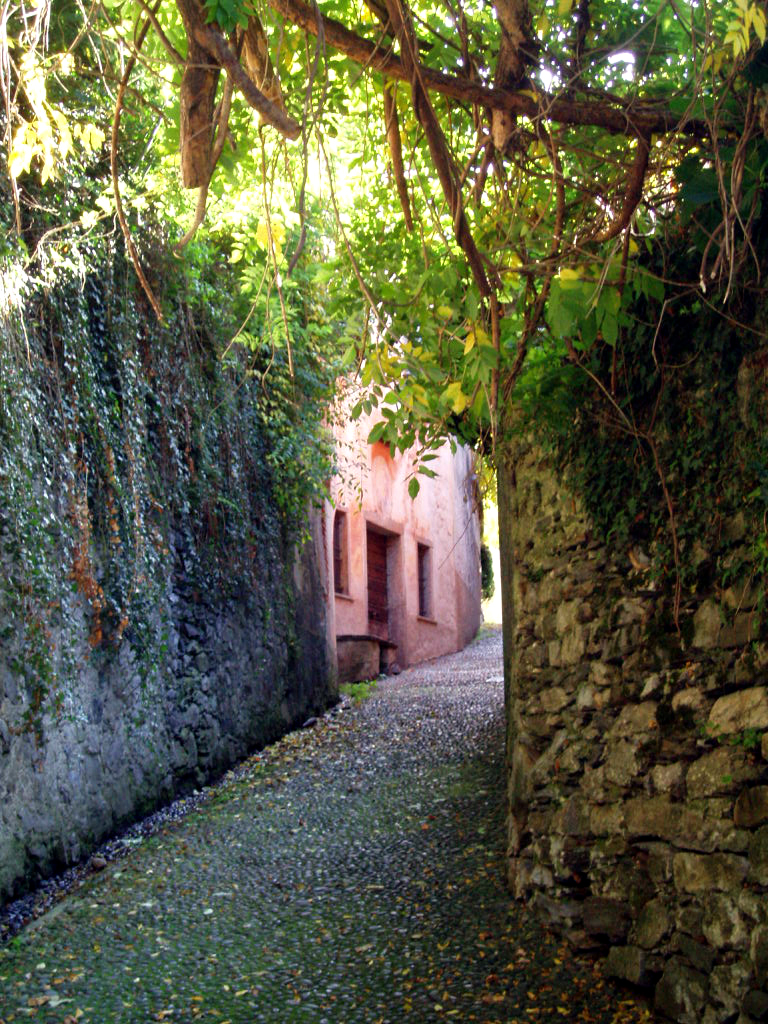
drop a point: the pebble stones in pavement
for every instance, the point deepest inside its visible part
(350, 874)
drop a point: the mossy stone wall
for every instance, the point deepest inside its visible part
(158, 616)
(638, 757)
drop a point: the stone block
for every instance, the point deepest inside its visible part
(567, 616)
(699, 955)
(550, 591)
(751, 807)
(358, 658)
(553, 653)
(681, 992)
(735, 527)
(743, 630)
(651, 686)
(635, 719)
(606, 819)
(753, 905)
(694, 872)
(546, 627)
(660, 817)
(610, 919)
(728, 985)
(628, 963)
(593, 784)
(668, 778)
(719, 771)
(652, 924)
(740, 596)
(553, 699)
(573, 818)
(744, 709)
(707, 623)
(572, 760)
(755, 1005)
(589, 698)
(601, 673)
(631, 610)
(689, 918)
(758, 856)
(723, 925)
(622, 764)
(689, 699)
(573, 646)
(758, 955)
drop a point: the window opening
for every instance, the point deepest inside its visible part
(340, 568)
(424, 555)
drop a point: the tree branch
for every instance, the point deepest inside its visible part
(173, 53)
(396, 151)
(438, 147)
(638, 119)
(215, 44)
(633, 193)
(130, 244)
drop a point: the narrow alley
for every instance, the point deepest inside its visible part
(352, 873)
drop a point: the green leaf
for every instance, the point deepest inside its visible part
(610, 329)
(413, 487)
(350, 355)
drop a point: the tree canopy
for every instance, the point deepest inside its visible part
(489, 180)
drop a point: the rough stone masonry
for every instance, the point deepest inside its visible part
(638, 780)
(237, 672)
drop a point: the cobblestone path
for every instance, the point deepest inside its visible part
(350, 874)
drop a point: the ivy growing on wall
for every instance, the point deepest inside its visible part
(663, 434)
(131, 453)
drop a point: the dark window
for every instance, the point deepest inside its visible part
(425, 580)
(378, 584)
(340, 572)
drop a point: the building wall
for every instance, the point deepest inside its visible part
(371, 489)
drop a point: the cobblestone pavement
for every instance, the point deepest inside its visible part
(350, 874)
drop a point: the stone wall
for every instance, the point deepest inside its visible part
(237, 673)
(638, 760)
(157, 620)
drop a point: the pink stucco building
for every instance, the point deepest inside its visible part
(405, 572)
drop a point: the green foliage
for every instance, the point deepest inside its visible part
(294, 357)
(663, 417)
(487, 582)
(749, 739)
(358, 692)
(228, 14)
(130, 452)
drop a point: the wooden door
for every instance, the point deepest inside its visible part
(378, 604)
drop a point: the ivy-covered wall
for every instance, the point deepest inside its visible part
(162, 603)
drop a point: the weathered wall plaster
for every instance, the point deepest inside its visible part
(372, 488)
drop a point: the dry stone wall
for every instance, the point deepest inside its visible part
(638, 761)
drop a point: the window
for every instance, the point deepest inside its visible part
(340, 569)
(424, 555)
